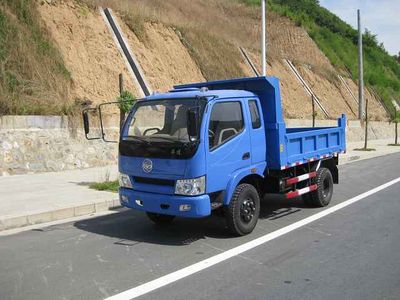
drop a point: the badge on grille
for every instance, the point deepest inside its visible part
(147, 165)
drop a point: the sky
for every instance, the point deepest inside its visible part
(381, 17)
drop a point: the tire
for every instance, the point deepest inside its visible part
(307, 199)
(160, 219)
(323, 194)
(243, 210)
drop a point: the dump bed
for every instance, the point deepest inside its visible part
(285, 147)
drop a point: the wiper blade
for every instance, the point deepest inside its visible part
(166, 139)
(131, 137)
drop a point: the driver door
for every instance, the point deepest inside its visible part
(228, 147)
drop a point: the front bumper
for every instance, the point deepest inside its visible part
(165, 204)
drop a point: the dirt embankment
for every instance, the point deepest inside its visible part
(375, 108)
(288, 41)
(285, 40)
(95, 62)
(88, 50)
(164, 59)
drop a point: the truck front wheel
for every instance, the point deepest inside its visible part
(243, 210)
(160, 219)
(323, 194)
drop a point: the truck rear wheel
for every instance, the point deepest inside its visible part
(160, 219)
(323, 194)
(243, 210)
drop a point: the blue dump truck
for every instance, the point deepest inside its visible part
(222, 145)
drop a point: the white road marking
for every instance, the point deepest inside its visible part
(209, 262)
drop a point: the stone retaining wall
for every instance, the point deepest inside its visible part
(41, 144)
(30, 144)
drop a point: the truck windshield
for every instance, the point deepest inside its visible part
(162, 120)
(159, 129)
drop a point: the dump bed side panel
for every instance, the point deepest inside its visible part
(303, 144)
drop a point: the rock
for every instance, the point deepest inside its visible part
(6, 145)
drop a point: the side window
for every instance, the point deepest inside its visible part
(255, 114)
(226, 121)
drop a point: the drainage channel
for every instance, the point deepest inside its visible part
(248, 60)
(348, 88)
(306, 87)
(125, 51)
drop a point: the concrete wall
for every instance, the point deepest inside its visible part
(30, 144)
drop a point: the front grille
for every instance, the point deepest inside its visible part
(155, 181)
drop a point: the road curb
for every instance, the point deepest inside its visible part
(14, 222)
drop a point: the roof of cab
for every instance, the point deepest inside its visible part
(193, 93)
(231, 88)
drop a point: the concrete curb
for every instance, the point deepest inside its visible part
(56, 215)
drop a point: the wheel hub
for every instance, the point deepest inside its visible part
(247, 210)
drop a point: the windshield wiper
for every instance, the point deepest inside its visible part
(166, 139)
(131, 137)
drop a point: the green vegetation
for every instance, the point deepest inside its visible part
(110, 186)
(338, 41)
(33, 77)
(136, 23)
(126, 101)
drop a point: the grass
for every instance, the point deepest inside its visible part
(33, 77)
(110, 186)
(136, 23)
(338, 41)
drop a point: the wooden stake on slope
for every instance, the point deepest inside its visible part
(396, 121)
(366, 125)
(313, 110)
(121, 111)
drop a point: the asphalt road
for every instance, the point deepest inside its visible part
(353, 253)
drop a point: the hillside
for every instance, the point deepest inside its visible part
(33, 77)
(176, 42)
(338, 41)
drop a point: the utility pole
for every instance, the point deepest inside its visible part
(263, 40)
(360, 71)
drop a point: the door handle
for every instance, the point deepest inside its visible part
(246, 156)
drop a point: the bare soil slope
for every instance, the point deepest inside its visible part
(163, 58)
(159, 29)
(375, 108)
(88, 50)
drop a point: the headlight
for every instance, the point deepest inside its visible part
(191, 187)
(125, 181)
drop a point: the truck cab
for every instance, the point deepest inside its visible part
(222, 145)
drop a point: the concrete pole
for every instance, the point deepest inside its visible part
(263, 40)
(360, 71)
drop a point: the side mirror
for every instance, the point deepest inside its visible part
(87, 113)
(192, 123)
(86, 122)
